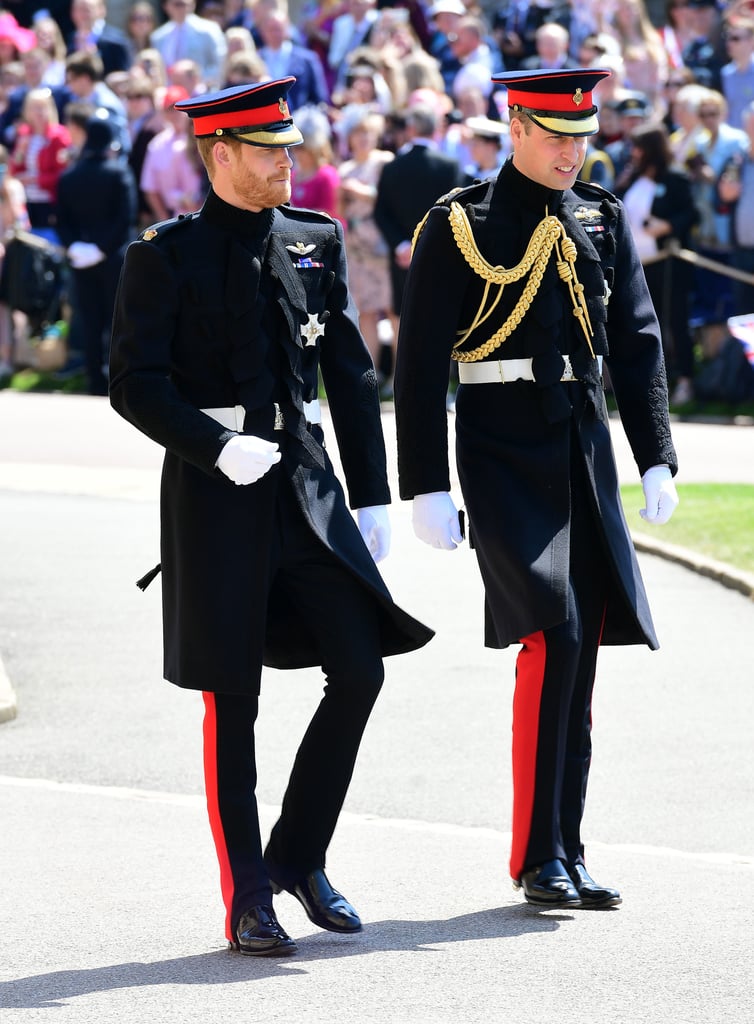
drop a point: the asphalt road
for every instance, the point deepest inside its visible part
(110, 891)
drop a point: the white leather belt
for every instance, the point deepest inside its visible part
(504, 371)
(232, 416)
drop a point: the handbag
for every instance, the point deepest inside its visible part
(51, 350)
(32, 276)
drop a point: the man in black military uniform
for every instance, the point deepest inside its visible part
(533, 448)
(96, 214)
(633, 109)
(222, 321)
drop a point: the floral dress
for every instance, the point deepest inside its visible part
(367, 251)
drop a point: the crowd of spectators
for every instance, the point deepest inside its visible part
(376, 79)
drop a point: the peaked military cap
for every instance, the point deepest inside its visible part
(255, 114)
(633, 104)
(559, 101)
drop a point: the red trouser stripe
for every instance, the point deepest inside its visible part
(527, 697)
(213, 807)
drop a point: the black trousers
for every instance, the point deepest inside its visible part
(343, 617)
(670, 283)
(94, 297)
(552, 701)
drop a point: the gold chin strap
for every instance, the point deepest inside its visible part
(549, 234)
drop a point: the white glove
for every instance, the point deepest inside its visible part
(435, 520)
(84, 254)
(660, 495)
(246, 458)
(374, 527)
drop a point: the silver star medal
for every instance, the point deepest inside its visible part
(312, 330)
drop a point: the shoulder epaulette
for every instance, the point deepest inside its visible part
(593, 190)
(463, 194)
(303, 213)
(161, 228)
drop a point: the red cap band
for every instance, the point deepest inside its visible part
(566, 103)
(256, 117)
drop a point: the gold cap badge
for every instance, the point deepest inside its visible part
(578, 97)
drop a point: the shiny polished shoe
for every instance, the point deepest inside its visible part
(548, 885)
(323, 905)
(592, 895)
(259, 934)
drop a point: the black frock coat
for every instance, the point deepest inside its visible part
(514, 440)
(209, 313)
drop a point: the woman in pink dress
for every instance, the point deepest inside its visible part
(315, 179)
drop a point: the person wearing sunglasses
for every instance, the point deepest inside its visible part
(705, 54)
(737, 77)
(736, 189)
(720, 145)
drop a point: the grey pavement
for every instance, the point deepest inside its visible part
(109, 885)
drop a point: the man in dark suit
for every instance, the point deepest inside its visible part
(408, 187)
(529, 282)
(551, 41)
(92, 34)
(83, 79)
(96, 213)
(223, 321)
(284, 58)
(515, 24)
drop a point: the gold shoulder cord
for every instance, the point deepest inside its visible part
(548, 234)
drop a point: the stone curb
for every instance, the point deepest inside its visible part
(721, 572)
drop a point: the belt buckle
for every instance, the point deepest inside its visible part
(568, 373)
(279, 423)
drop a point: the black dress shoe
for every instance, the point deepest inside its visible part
(548, 885)
(593, 896)
(259, 934)
(323, 905)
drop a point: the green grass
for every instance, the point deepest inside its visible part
(38, 380)
(698, 409)
(716, 520)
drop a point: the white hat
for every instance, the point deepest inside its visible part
(486, 127)
(447, 7)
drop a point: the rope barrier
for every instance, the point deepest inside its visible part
(674, 251)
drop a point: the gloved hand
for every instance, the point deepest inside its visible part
(435, 520)
(374, 527)
(82, 255)
(246, 458)
(660, 495)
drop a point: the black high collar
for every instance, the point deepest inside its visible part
(243, 223)
(519, 190)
